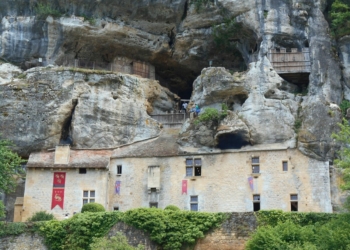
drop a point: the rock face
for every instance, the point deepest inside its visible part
(178, 38)
(43, 107)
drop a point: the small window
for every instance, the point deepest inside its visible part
(193, 167)
(294, 202)
(153, 204)
(256, 202)
(255, 165)
(189, 171)
(82, 170)
(194, 203)
(198, 162)
(88, 196)
(119, 169)
(115, 208)
(285, 166)
(197, 171)
(255, 160)
(189, 162)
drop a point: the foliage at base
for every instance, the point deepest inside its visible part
(172, 229)
(303, 231)
(16, 228)
(41, 216)
(79, 231)
(343, 157)
(116, 242)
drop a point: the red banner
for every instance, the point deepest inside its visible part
(184, 186)
(57, 197)
(59, 179)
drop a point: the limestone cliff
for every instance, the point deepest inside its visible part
(178, 38)
(43, 107)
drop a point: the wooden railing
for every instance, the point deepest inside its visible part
(171, 120)
(292, 61)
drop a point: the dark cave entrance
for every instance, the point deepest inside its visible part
(232, 141)
(300, 80)
(66, 133)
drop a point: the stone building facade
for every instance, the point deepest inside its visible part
(158, 173)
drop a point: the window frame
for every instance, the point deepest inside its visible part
(194, 201)
(285, 166)
(119, 169)
(255, 165)
(256, 202)
(294, 202)
(89, 198)
(153, 204)
(193, 167)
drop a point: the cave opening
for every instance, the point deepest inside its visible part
(232, 141)
(300, 80)
(66, 133)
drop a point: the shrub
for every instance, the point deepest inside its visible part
(199, 3)
(12, 228)
(41, 216)
(172, 230)
(116, 242)
(212, 114)
(44, 10)
(79, 231)
(344, 105)
(92, 207)
(172, 208)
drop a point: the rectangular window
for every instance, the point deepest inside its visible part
(82, 170)
(256, 202)
(194, 203)
(115, 208)
(189, 171)
(255, 165)
(153, 204)
(88, 196)
(119, 169)
(193, 167)
(285, 165)
(294, 202)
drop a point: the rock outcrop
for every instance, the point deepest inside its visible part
(43, 107)
(179, 38)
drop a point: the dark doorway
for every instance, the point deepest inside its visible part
(231, 141)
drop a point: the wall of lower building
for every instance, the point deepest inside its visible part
(39, 185)
(223, 185)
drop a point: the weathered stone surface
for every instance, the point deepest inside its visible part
(176, 38)
(92, 110)
(263, 112)
(26, 241)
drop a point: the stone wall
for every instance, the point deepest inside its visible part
(232, 234)
(24, 241)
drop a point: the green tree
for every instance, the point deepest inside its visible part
(343, 161)
(10, 167)
(41, 216)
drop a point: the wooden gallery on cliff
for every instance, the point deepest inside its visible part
(158, 173)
